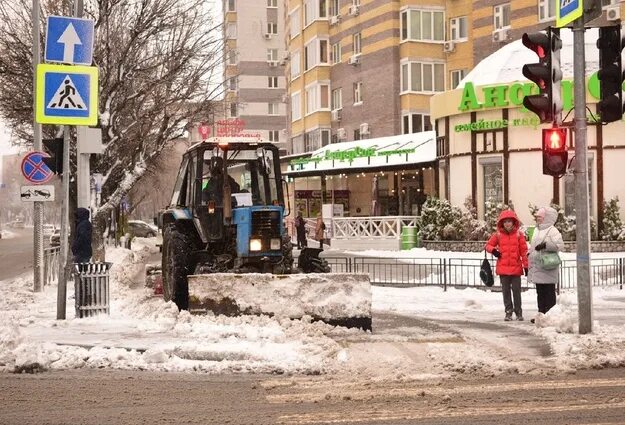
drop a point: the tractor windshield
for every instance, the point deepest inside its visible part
(250, 175)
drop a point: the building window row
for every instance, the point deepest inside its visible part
(456, 76)
(313, 10)
(415, 123)
(501, 16)
(315, 53)
(458, 29)
(422, 77)
(317, 98)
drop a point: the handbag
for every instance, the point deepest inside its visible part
(549, 260)
(486, 272)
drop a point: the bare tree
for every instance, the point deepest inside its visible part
(159, 68)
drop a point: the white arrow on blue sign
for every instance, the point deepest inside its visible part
(69, 40)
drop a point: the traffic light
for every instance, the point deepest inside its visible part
(546, 73)
(610, 74)
(54, 148)
(555, 153)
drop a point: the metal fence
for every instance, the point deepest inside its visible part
(462, 272)
(51, 265)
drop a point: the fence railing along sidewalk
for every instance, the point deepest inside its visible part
(463, 272)
(51, 265)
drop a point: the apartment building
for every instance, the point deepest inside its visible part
(254, 72)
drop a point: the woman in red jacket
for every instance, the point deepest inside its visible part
(510, 248)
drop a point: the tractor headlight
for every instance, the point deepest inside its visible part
(275, 244)
(255, 245)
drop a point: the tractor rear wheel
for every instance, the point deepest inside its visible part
(176, 266)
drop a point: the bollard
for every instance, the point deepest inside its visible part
(91, 289)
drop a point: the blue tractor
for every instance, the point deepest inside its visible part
(227, 216)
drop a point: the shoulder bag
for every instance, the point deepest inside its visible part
(549, 260)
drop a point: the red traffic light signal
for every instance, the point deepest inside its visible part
(555, 151)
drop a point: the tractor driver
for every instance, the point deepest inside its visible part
(213, 191)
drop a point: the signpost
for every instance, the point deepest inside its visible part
(34, 169)
(568, 11)
(69, 40)
(37, 193)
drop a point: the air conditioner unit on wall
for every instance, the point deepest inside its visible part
(336, 115)
(267, 35)
(613, 13)
(272, 64)
(501, 35)
(354, 10)
(449, 46)
(341, 134)
(354, 60)
(364, 129)
(334, 20)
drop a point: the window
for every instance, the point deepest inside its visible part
(232, 84)
(315, 139)
(416, 123)
(233, 110)
(335, 56)
(296, 106)
(493, 180)
(272, 3)
(231, 30)
(314, 9)
(272, 82)
(458, 28)
(272, 28)
(315, 53)
(358, 93)
(357, 134)
(231, 6)
(546, 10)
(272, 54)
(232, 57)
(295, 65)
(335, 9)
(337, 99)
(317, 98)
(422, 77)
(274, 135)
(457, 76)
(356, 44)
(501, 16)
(423, 25)
(272, 108)
(295, 22)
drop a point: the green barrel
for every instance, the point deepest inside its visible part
(409, 237)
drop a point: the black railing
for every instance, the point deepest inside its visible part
(462, 272)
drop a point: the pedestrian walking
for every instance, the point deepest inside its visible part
(81, 246)
(300, 230)
(509, 246)
(544, 260)
(320, 228)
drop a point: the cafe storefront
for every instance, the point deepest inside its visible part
(387, 176)
(489, 146)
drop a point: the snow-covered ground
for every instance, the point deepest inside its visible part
(7, 234)
(418, 333)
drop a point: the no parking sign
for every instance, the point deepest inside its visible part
(34, 169)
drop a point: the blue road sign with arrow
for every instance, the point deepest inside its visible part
(69, 40)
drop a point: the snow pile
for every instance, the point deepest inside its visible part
(7, 234)
(325, 296)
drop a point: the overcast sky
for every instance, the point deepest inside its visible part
(5, 147)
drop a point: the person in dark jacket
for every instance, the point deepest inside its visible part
(300, 228)
(81, 247)
(510, 248)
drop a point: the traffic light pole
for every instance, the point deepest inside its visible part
(38, 206)
(61, 295)
(582, 232)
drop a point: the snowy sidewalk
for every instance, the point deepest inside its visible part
(418, 333)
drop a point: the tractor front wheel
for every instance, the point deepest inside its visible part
(176, 266)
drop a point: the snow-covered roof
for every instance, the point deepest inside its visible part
(505, 65)
(414, 148)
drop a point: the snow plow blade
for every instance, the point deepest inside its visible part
(339, 299)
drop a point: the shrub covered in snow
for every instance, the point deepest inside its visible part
(440, 220)
(473, 228)
(612, 224)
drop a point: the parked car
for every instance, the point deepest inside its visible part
(141, 229)
(48, 230)
(17, 224)
(55, 238)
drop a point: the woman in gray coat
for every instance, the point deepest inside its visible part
(545, 238)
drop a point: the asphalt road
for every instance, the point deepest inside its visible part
(120, 397)
(16, 254)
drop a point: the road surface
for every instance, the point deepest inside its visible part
(119, 397)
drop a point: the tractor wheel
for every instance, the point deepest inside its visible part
(286, 266)
(176, 266)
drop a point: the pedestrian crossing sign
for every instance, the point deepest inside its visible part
(67, 95)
